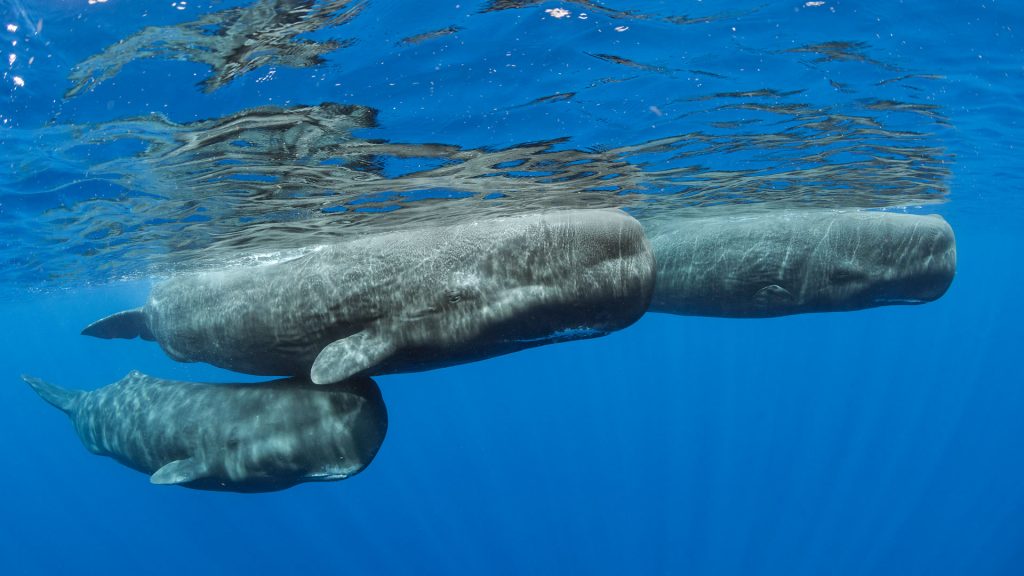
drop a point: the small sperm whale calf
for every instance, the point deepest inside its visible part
(799, 261)
(228, 437)
(406, 301)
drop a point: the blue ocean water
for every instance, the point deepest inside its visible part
(883, 441)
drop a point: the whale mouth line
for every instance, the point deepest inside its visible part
(882, 301)
(564, 335)
(326, 476)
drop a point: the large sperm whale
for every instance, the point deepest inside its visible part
(230, 437)
(791, 262)
(406, 301)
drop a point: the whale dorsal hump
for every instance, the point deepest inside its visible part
(180, 472)
(349, 356)
(127, 324)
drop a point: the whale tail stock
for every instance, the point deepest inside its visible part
(62, 398)
(128, 324)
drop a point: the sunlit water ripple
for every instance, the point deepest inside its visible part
(345, 125)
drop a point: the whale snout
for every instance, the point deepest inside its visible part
(921, 264)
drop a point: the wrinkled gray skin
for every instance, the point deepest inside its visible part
(228, 437)
(800, 261)
(407, 301)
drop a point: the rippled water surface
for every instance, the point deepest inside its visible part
(141, 139)
(218, 131)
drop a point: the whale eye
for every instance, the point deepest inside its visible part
(847, 274)
(453, 295)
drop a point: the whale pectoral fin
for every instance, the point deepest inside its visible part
(347, 357)
(774, 295)
(127, 324)
(180, 472)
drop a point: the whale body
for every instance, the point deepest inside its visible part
(799, 261)
(228, 437)
(406, 301)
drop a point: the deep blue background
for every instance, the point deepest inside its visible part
(886, 441)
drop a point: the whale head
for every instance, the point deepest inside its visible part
(887, 259)
(549, 277)
(325, 433)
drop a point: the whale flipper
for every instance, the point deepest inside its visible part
(62, 398)
(128, 324)
(180, 472)
(344, 358)
(773, 296)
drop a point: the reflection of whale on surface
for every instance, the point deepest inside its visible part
(800, 261)
(231, 437)
(407, 301)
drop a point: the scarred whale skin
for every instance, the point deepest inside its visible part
(228, 437)
(406, 301)
(800, 261)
